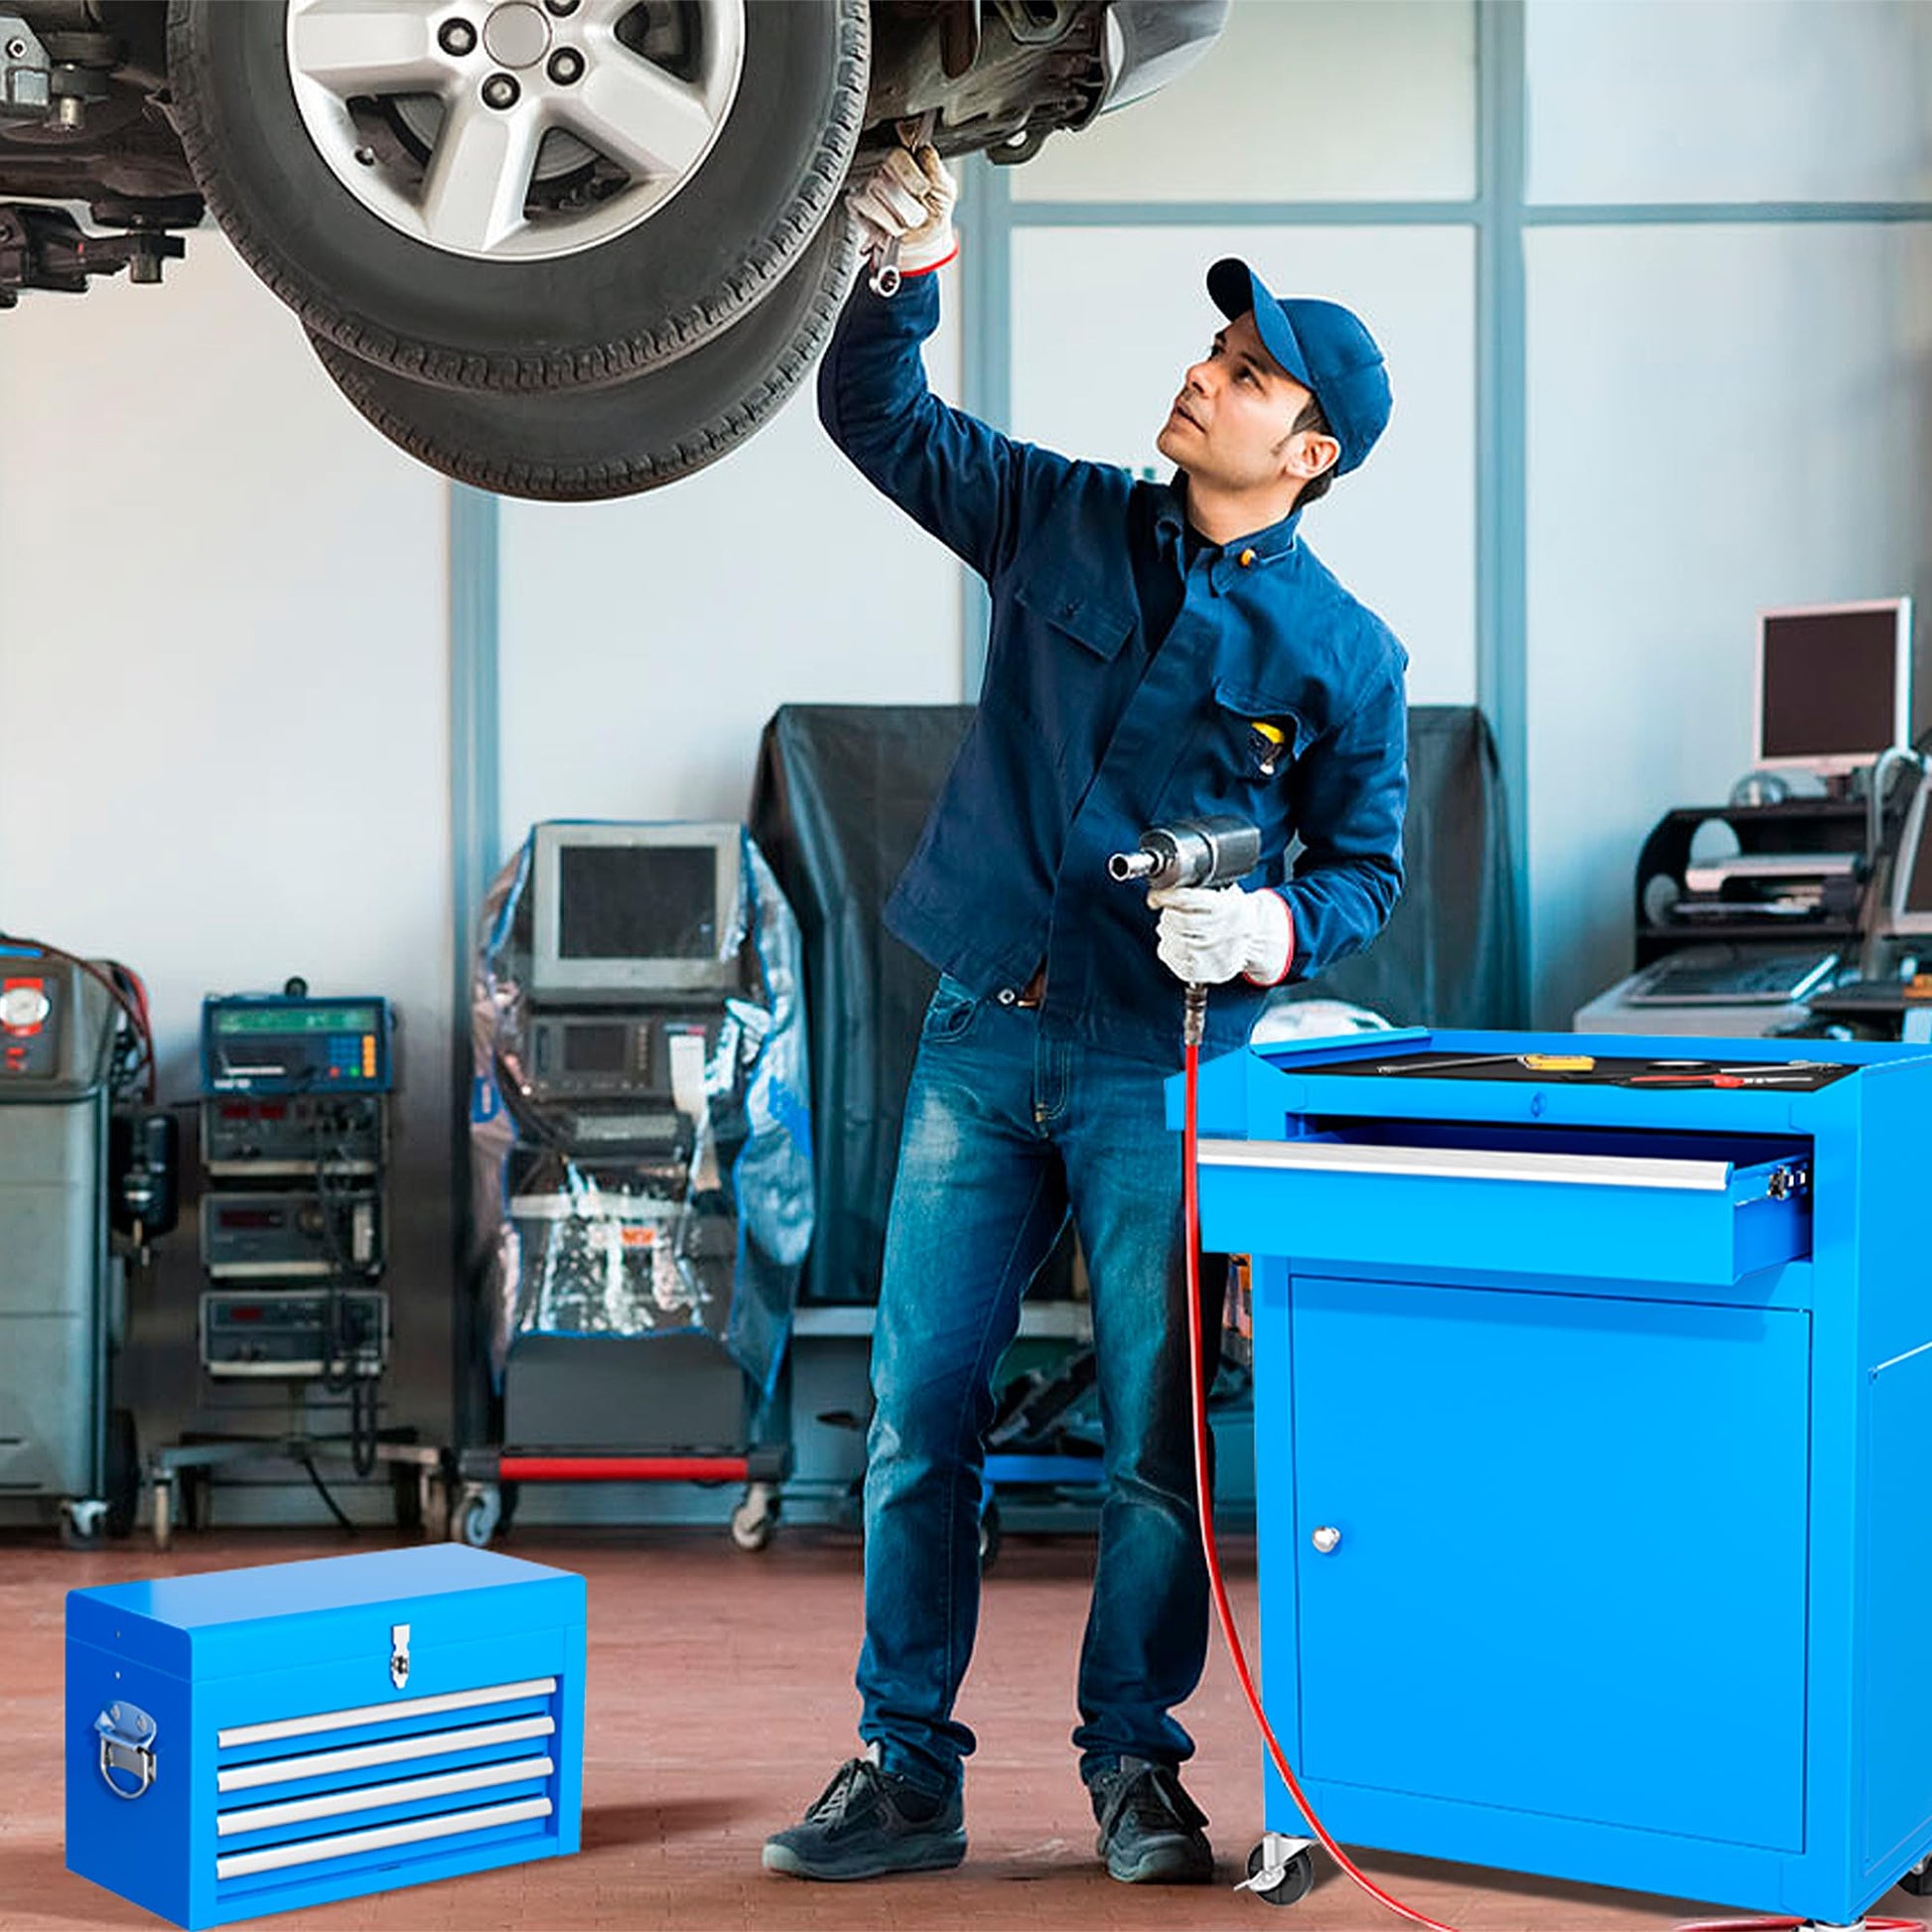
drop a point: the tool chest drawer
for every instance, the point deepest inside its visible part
(1702, 1210)
(259, 1739)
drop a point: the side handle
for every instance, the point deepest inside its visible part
(126, 1749)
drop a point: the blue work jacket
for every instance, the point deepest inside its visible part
(1084, 738)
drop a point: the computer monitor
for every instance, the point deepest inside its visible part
(1834, 685)
(628, 911)
(1908, 905)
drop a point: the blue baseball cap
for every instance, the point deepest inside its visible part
(1323, 346)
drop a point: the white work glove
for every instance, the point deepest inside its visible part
(910, 196)
(1208, 933)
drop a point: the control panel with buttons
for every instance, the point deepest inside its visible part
(289, 1333)
(284, 1044)
(31, 1016)
(265, 1236)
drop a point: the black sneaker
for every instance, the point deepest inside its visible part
(866, 1822)
(1149, 1829)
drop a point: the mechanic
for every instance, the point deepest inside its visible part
(1157, 651)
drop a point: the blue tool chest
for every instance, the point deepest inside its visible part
(252, 1740)
(1594, 1432)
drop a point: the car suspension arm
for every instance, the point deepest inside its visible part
(46, 248)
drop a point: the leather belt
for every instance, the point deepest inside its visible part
(1034, 991)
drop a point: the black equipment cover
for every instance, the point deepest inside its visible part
(841, 796)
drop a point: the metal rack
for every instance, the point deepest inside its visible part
(295, 1135)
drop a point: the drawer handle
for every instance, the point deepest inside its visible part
(1326, 1539)
(386, 1751)
(381, 1838)
(369, 1714)
(127, 1746)
(1470, 1163)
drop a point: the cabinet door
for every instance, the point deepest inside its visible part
(1572, 1569)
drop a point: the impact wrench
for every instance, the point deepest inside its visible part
(1218, 850)
(1191, 852)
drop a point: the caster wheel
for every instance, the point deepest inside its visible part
(1918, 1881)
(989, 1535)
(754, 1520)
(1297, 1880)
(477, 1516)
(751, 1531)
(84, 1522)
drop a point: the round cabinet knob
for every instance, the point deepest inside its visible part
(1326, 1540)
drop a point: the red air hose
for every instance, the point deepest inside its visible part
(1190, 1213)
(1190, 1210)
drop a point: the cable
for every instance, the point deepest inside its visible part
(362, 1430)
(1203, 1503)
(322, 1490)
(342, 1371)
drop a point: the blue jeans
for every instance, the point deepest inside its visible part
(1006, 1127)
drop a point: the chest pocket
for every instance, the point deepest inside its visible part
(1257, 736)
(1087, 617)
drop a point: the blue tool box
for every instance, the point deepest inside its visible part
(252, 1740)
(1594, 1435)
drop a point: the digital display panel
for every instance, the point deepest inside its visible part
(295, 1020)
(1830, 684)
(596, 1050)
(636, 901)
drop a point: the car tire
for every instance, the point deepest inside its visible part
(598, 313)
(581, 445)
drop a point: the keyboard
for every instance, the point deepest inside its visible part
(1731, 976)
(660, 1128)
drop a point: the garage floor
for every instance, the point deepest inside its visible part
(721, 1698)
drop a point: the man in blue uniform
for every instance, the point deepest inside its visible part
(1158, 652)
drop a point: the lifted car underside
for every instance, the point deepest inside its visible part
(565, 250)
(85, 116)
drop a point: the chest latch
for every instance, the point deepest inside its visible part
(399, 1654)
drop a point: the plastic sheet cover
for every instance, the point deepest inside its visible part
(641, 1157)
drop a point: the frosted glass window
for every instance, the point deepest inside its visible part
(1729, 100)
(1768, 448)
(1303, 100)
(1401, 530)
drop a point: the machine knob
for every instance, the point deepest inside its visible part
(25, 1007)
(1326, 1540)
